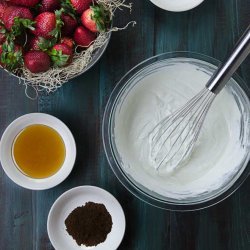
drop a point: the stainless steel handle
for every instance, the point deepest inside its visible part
(226, 70)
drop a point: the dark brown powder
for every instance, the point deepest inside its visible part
(89, 224)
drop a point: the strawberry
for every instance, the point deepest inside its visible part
(12, 13)
(34, 43)
(76, 6)
(80, 5)
(37, 61)
(83, 37)
(48, 25)
(96, 18)
(68, 41)
(49, 5)
(11, 55)
(45, 24)
(26, 3)
(61, 55)
(69, 25)
(3, 7)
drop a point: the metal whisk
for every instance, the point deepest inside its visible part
(173, 139)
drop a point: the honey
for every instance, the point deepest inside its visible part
(38, 151)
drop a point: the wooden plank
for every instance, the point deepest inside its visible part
(147, 227)
(76, 104)
(15, 202)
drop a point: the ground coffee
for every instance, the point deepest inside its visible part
(89, 224)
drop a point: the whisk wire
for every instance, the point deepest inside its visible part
(197, 118)
(204, 116)
(156, 131)
(171, 131)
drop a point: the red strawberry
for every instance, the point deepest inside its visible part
(37, 61)
(26, 3)
(61, 55)
(12, 12)
(96, 18)
(69, 25)
(49, 5)
(48, 24)
(45, 24)
(68, 41)
(80, 5)
(34, 43)
(3, 7)
(83, 37)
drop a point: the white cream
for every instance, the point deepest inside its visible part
(217, 155)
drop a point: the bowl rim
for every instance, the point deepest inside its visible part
(8, 164)
(119, 172)
(86, 190)
(188, 5)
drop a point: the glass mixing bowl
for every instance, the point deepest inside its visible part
(241, 95)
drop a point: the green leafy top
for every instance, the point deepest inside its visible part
(11, 57)
(58, 58)
(20, 24)
(101, 17)
(45, 44)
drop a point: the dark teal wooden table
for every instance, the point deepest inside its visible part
(211, 29)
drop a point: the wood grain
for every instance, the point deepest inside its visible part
(211, 29)
(16, 216)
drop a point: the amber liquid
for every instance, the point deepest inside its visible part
(38, 151)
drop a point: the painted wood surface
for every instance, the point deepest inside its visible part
(211, 29)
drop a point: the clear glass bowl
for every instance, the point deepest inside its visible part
(126, 83)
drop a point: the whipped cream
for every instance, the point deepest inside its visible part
(218, 153)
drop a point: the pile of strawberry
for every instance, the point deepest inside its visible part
(40, 34)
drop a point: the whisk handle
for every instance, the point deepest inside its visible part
(226, 70)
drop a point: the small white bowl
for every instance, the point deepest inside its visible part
(177, 5)
(6, 158)
(74, 198)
